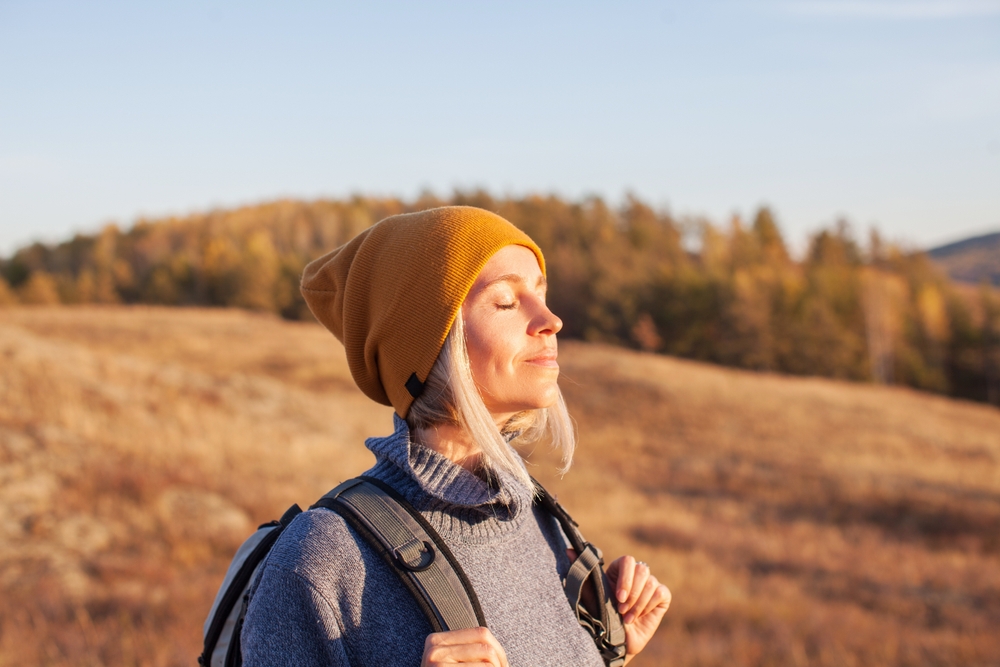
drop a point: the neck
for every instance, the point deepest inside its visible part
(453, 443)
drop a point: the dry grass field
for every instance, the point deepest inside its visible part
(797, 521)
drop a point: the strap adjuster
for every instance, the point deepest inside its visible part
(414, 556)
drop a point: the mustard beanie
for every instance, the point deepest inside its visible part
(390, 294)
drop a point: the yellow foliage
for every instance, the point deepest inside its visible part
(257, 274)
(7, 296)
(933, 316)
(39, 290)
(85, 288)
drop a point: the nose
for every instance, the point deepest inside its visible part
(546, 322)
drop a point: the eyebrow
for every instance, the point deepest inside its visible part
(515, 278)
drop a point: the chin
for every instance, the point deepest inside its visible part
(538, 401)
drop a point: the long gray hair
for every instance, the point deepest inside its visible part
(450, 396)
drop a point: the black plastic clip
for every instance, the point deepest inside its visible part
(427, 555)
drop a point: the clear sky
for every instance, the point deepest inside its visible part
(886, 112)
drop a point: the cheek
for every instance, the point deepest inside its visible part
(478, 358)
(490, 353)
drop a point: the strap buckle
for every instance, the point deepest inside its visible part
(414, 556)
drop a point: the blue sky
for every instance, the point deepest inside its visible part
(886, 112)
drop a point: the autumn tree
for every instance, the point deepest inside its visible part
(7, 296)
(40, 289)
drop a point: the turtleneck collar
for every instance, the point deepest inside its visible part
(445, 481)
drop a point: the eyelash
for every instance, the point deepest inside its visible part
(507, 306)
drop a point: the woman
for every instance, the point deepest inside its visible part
(442, 314)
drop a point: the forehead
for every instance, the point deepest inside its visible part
(512, 261)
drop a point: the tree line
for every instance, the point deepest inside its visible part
(628, 275)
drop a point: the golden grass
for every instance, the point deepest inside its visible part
(797, 521)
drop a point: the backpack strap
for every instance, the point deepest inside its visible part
(600, 618)
(412, 548)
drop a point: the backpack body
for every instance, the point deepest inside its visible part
(221, 631)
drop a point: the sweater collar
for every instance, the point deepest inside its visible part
(439, 477)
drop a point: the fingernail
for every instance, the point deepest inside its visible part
(622, 596)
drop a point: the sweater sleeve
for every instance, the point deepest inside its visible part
(288, 623)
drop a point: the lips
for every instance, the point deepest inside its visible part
(547, 358)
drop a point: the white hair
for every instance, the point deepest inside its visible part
(450, 396)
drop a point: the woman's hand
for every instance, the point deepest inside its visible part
(475, 645)
(642, 601)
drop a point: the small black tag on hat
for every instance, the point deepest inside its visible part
(414, 385)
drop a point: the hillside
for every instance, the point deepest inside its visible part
(797, 521)
(971, 260)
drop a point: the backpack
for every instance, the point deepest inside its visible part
(424, 564)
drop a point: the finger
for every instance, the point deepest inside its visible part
(613, 571)
(468, 646)
(457, 637)
(655, 610)
(639, 577)
(478, 653)
(496, 654)
(642, 603)
(664, 597)
(626, 572)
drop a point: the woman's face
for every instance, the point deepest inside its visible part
(511, 334)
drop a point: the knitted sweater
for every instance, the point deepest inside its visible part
(324, 597)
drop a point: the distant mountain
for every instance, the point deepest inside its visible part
(971, 260)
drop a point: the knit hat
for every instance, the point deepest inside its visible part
(390, 294)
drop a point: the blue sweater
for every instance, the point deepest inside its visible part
(324, 597)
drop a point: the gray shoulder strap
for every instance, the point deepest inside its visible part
(601, 620)
(412, 548)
